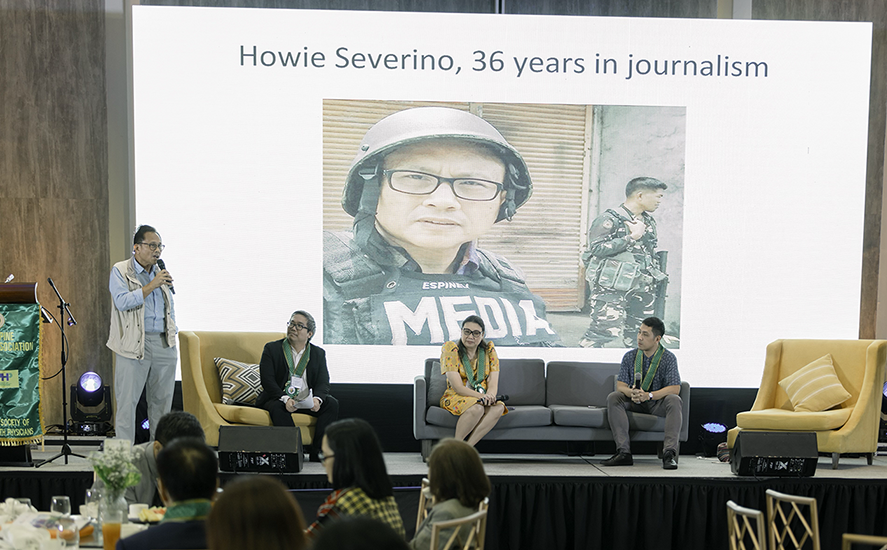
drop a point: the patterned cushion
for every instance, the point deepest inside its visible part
(241, 383)
(815, 387)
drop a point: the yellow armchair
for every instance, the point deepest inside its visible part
(202, 389)
(852, 426)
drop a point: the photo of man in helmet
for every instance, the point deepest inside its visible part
(426, 184)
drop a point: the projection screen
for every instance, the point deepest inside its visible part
(257, 137)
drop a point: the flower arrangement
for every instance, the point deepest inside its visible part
(12, 508)
(115, 468)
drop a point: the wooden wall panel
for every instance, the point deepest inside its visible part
(873, 284)
(450, 6)
(616, 8)
(53, 172)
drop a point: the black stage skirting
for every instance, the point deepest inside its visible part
(636, 513)
(41, 485)
(614, 513)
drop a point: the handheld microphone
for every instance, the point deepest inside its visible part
(162, 266)
(637, 380)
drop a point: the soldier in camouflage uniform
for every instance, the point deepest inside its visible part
(425, 185)
(622, 268)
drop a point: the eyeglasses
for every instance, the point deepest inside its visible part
(154, 246)
(322, 457)
(297, 326)
(420, 183)
(475, 333)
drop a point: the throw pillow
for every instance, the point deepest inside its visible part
(815, 387)
(437, 385)
(241, 382)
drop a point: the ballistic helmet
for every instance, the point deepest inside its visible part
(424, 124)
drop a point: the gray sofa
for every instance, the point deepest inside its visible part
(569, 404)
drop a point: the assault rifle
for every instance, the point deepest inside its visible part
(662, 287)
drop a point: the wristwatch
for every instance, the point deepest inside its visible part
(651, 396)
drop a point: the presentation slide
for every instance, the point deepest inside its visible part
(562, 178)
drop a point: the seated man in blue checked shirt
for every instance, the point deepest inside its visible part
(649, 382)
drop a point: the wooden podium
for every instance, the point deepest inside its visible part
(18, 293)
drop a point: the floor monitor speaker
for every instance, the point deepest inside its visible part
(764, 454)
(260, 449)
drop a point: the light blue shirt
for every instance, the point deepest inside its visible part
(125, 299)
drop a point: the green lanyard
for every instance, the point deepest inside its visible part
(651, 372)
(303, 361)
(188, 510)
(473, 381)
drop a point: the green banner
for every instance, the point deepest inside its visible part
(21, 415)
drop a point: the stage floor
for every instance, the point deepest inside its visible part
(528, 465)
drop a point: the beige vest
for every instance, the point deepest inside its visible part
(127, 335)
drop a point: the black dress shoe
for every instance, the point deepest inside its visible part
(668, 460)
(619, 459)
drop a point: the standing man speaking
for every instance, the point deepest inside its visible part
(143, 333)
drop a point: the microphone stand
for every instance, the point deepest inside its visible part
(63, 312)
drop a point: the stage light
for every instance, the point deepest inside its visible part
(88, 389)
(91, 404)
(713, 433)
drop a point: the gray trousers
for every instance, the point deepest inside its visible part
(670, 407)
(157, 369)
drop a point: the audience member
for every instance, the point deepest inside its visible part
(352, 457)
(458, 484)
(188, 471)
(171, 426)
(359, 533)
(256, 513)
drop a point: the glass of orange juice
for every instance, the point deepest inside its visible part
(111, 528)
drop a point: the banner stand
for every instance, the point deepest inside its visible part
(21, 373)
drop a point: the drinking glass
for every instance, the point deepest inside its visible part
(61, 506)
(67, 532)
(111, 528)
(91, 503)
